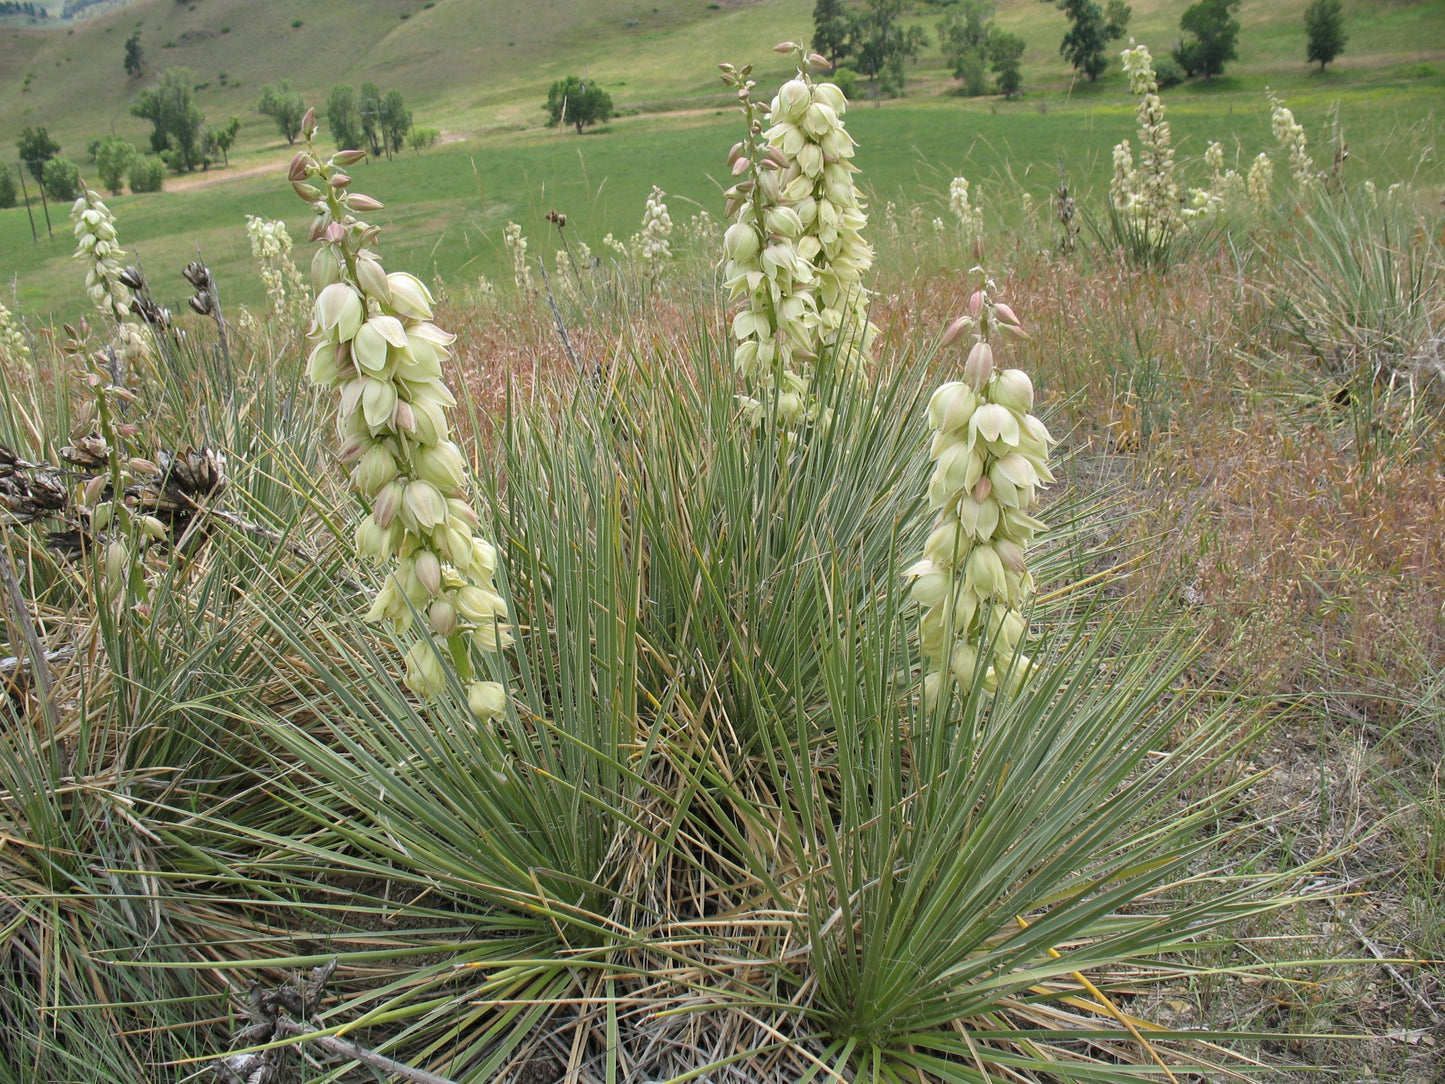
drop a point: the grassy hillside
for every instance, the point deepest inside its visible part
(479, 70)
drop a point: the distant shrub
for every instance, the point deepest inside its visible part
(147, 174)
(8, 193)
(61, 179)
(846, 80)
(422, 137)
(112, 162)
(1167, 72)
(296, 25)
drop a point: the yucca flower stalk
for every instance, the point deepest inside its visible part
(517, 247)
(970, 217)
(271, 247)
(98, 247)
(816, 180)
(1261, 176)
(373, 340)
(653, 241)
(1290, 135)
(990, 457)
(770, 282)
(14, 350)
(1148, 191)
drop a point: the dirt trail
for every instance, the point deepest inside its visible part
(221, 176)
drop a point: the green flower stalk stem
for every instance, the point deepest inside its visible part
(990, 457)
(372, 339)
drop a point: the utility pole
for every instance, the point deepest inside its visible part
(28, 212)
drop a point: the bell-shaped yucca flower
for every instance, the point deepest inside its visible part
(372, 339)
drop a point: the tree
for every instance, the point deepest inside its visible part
(577, 102)
(1005, 56)
(60, 179)
(963, 35)
(882, 46)
(1212, 32)
(134, 58)
(221, 140)
(831, 30)
(1091, 29)
(112, 163)
(36, 148)
(9, 194)
(283, 105)
(396, 121)
(1324, 31)
(178, 127)
(344, 118)
(369, 109)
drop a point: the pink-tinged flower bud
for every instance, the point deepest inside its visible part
(308, 123)
(339, 180)
(975, 303)
(388, 504)
(738, 150)
(348, 158)
(956, 329)
(1004, 313)
(443, 617)
(362, 203)
(318, 227)
(1015, 330)
(741, 166)
(979, 365)
(982, 490)
(335, 233)
(818, 62)
(786, 47)
(1011, 554)
(403, 418)
(93, 489)
(428, 572)
(308, 192)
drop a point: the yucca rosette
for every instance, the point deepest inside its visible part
(990, 458)
(373, 340)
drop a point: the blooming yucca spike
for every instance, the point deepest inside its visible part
(990, 457)
(373, 340)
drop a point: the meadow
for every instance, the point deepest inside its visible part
(568, 700)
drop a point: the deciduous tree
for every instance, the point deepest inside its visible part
(577, 102)
(178, 127)
(1324, 31)
(1211, 33)
(1091, 29)
(283, 105)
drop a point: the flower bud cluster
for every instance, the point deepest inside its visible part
(271, 246)
(97, 247)
(1261, 176)
(517, 247)
(815, 180)
(373, 340)
(970, 218)
(1149, 192)
(14, 350)
(1290, 135)
(990, 457)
